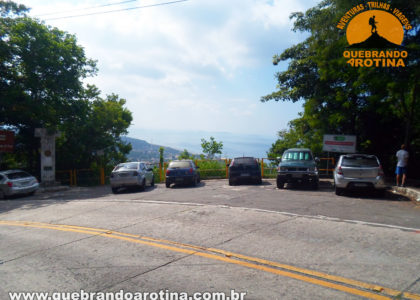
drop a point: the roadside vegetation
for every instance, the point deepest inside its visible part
(380, 105)
(41, 86)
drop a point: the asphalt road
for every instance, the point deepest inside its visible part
(258, 240)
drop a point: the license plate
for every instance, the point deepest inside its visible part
(179, 179)
(360, 184)
(297, 175)
(245, 174)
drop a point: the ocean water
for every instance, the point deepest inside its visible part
(234, 145)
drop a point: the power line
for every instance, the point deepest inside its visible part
(86, 8)
(116, 10)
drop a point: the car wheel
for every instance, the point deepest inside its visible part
(195, 181)
(2, 195)
(338, 191)
(231, 182)
(259, 181)
(153, 181)
(280, 184)
(199, 179)
(143, 185)
(168, 184)
(315, 185)
(114, 190)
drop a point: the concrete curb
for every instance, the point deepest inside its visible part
(411, 193)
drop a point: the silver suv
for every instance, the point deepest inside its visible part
(131, 174)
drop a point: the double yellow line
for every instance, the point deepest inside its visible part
(347, 285)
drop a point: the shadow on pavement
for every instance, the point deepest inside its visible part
(187, 186)
(374, 195)
(45, 199)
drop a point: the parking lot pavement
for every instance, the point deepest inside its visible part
(393, 209)
(290, 244)
(113, 242)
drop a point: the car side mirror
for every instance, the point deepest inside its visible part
(150, 169)
(317, 159)
(197, 167)
(278, 158)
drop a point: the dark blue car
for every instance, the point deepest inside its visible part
(182, 172)
(244, 169)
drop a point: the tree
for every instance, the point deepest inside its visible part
(161, 157)
(185, 155)
(96, 128)
(211, 147)
(379, 105)
(42, 70)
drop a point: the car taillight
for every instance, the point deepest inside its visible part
(380, 171)
(191, 170)
(168, 172)
(10, 184)
(339, 171)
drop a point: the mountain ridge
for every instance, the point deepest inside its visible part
(142, 150)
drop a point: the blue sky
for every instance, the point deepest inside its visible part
(199, 65)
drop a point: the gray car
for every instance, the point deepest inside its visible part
(298, 166)
(131, 174)
(17, 182)
(182, 172)
(358, 172)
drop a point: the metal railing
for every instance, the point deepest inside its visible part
(209, 169)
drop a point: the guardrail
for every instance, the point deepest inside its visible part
(209, 169)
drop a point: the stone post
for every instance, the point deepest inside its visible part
(47, 155)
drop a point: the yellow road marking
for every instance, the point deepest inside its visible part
(227, 257)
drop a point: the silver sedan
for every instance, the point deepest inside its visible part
(358, 172)
(131, 174)
(17, 182)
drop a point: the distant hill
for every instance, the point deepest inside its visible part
(143, 150)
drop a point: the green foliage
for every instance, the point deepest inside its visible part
(212, 168)
(161, 157)
(211, 147)
(185, 155)
(379, 105)
(41, 85)
(94, 136)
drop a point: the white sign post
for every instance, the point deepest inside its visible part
(339, 143)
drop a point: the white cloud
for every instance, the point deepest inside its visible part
(198, 62)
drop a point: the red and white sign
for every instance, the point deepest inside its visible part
(7, 140)
(339, 143)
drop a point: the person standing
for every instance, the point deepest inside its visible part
(402, 156)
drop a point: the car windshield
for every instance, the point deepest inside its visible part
(179, 164)
(359, 161)
(297, 155)
(244, 161)
(17, 175)
(128, 166)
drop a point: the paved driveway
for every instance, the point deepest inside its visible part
(267, 243)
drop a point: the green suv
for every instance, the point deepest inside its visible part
(298, 166)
